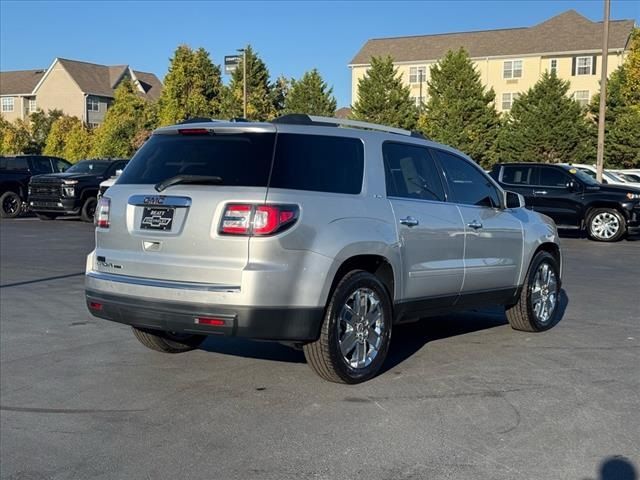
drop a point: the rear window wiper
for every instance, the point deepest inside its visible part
(193, 179)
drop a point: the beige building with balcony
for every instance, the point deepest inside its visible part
(81, 89)
(510, 60)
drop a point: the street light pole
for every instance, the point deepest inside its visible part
(603, 92)
(244, 81)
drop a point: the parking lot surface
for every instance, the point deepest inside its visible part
(462, 396)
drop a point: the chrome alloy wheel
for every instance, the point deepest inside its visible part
(605, 225)
(361, 325)
(544, 293)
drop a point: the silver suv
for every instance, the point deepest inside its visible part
(313, 235)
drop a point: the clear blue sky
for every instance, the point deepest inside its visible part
(290, 36)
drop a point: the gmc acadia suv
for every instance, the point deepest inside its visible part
(312, 235)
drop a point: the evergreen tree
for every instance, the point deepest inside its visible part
(382, 97)
(59, 135)
(260, 105)
(279, 93)
(128, 114)
(192, 87)
(311, 95)
(459, 111)
(78, 143)
(545, 125)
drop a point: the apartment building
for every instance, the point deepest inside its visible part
(84, 90)
(509, 60)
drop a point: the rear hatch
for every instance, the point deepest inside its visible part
(173, 234)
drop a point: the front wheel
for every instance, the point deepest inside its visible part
(356, 332)
(167, 342)
(88, 209)
(606, 225)
(10, 205)
(537, 308)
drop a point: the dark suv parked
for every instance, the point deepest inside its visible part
(15, 173)
(573, 199)
(72, 192)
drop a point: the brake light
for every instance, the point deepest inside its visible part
(101, 216)
(262, 220)
(193, 131)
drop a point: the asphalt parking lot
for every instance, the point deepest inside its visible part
(461, 397)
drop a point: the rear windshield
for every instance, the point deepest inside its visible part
(241, 159)
(302, 162)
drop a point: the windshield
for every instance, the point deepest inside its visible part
(584, 176)
(89, 166)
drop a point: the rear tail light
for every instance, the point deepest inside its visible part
(101, 217)
(193, 131)
(261, 220)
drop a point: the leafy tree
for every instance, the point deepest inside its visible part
(310, 95)
(545, 125)
(260, 104)
(14, 137)
(129, 114)
(78, 143)
(192, 87)
(59, 135)
(459, 111)
(40, 126)
(279, 92)
(382, 97)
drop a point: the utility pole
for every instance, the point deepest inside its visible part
(244, 81)
(603, 92)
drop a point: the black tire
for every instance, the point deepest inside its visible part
(10, 205)
(606, 225)
(46, 216)
(325, 356)
(88, 209)
(522, 315)
(167, 342)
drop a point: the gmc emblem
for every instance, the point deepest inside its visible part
(154, 200)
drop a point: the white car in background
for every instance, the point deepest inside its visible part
(631, 176)
(104, 186)
(608, 177)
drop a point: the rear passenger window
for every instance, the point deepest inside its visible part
(318, 163)
(410, 172)
(518, 175)
(553, 177)
(13, 163)
(41, 165)
(467, 183)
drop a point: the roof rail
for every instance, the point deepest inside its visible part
(302, 119)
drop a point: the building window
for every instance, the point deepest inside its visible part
(93, 105)
(417, 74)
(32, 105)
(508, 99)
(582, 97)
(584, 65)
(553, 66)
(512, 69)
(7, 104)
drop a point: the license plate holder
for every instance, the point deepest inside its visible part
(157, 218)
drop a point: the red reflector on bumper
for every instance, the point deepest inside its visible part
(214, 322)
(95, 306)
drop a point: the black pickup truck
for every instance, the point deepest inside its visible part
(73, 192)
(15, 173)
(573, 199)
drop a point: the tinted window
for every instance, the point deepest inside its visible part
(92, 167)
(318, 163)
(553, 177)
(13, 163)
(40, 165)
(115, 167)
(518, 175)
(60, 165)
(467, 183)
(240, 159)
(411, 172)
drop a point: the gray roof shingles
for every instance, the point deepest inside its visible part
(19, 81)
(566, 32)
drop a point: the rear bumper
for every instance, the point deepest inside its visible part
(263, 323)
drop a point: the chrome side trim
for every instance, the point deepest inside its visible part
(159, 201)
(152, 282)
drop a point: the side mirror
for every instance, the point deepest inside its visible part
(118, 172)
(513, 200)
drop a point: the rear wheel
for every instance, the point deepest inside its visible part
(167, 342)
(46, 216)
(606, 225)
(537, 307)
(88, 209)
(356, 331)
(10, 205)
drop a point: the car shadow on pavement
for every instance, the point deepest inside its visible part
(406, 340)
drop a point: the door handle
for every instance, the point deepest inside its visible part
(475, 225)
(539, 192)
(409, 221)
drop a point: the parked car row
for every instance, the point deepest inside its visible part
(51, 187)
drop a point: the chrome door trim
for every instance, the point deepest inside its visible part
(152, 282)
